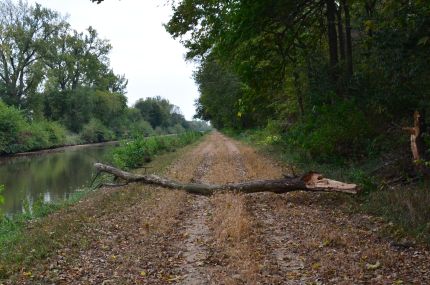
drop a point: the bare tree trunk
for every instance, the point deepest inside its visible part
(340, 32)
(311, 181)
(349, 63)
(332, 42)
(418, 148)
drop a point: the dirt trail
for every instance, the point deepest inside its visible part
(164, 237)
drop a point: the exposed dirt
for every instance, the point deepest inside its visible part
(149, 235)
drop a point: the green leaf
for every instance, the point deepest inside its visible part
(423, 41)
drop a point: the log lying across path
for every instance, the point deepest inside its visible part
(311, 181)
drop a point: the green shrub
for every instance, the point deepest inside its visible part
(94, 131)
(12, 129)
(43, 134)
(134, 153)
(332, 132)
(142, 128)
(37, 137)
(1, 197)
(17, 135)
(56, 132)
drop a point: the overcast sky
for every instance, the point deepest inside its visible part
(142, 50)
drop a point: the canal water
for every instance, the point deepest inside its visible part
(48, 176)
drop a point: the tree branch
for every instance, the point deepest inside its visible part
(312, 182)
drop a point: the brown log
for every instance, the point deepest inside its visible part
(311, 181)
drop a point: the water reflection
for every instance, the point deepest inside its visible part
(50, 176)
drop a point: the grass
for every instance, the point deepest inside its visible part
(40, 231)
(17, 246)
(232, 226)
(405, 207)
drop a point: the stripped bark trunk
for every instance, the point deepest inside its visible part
(311, 181)
(417, 143)
(416, 132)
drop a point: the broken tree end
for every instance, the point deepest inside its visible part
(316, 181)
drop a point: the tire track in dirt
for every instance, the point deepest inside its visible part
(195, 228)
(220, 162)
(193, 238)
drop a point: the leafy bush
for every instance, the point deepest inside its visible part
(1, 197)
(332, 132)
(94, 131)
(37, 137)
(12, 126)
(134, 153)
(42, 135)
(142, 128)
(17, 135)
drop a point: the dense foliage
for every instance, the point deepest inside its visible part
(57, 86)
(333, 75)
(134, 153)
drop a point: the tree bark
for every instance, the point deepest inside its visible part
(349, 63)
(311, 181)
(340, 32)
(299, 93)
(416, 132)
(417, 143)
(332, 41)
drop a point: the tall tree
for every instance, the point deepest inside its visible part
(25, 33)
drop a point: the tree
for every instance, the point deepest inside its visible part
(160, 112)
(25, 33)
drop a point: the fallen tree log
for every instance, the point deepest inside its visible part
(311, 181)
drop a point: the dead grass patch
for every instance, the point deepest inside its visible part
(230, 218)
(232, 227)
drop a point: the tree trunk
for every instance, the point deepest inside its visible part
(341, 34)
(311, 181)
(418, 147)
(349, 64)
(332, 43)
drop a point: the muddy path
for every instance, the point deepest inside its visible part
(149, 235)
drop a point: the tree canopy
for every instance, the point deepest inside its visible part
(297, 62)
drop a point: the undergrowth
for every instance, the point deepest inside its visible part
(404, 206)
(140, 150)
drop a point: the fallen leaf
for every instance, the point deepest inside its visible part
(373, 266)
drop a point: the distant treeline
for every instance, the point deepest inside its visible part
(57, 86)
